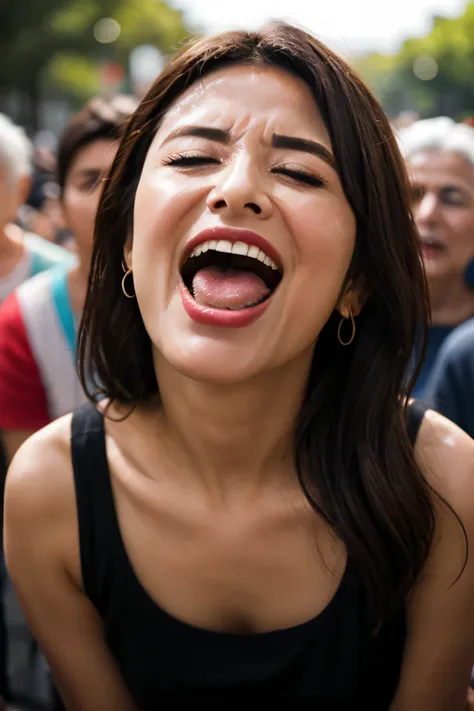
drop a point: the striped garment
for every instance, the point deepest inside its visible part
(39, 256)
(38, 378)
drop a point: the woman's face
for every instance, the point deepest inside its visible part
(443, 206)
(241, 161)
(82, 190)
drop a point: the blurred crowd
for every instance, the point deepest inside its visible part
(49, 194)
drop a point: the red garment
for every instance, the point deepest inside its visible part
(23, 404)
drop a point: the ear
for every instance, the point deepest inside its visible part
(353, 299)
(127, 253)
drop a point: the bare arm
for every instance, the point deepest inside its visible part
(439, 652)
(42, 551)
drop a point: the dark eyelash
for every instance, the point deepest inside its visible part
(452, 198)
(307, 178)
(185, 160)
(91, 183)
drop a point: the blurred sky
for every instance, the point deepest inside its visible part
(351, 26)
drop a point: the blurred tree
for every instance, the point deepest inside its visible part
(49, 46)
(432, 74)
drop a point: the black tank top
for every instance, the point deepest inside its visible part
(332, 660)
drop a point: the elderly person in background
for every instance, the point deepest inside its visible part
(440, 155)
(21, 255)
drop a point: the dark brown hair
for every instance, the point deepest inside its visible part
(353, 456)
(98, 119)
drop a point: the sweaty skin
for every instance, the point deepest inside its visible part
(210, 469)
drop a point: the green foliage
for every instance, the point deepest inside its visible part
(451, 44)
(49, 47)
(74, 74)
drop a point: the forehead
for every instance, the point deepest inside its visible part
(97, 155)
(242, 97)
(437, 168)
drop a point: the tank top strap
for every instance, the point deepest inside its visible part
(100, 541)
(414, 415)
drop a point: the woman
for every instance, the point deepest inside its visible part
(253, 523)
(38, 380)
(440, 157)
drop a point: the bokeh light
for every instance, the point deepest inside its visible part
(425, 68)
(107, 30)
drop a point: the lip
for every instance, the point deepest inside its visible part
(429, 241)
(432, 249)
(233, 234)
(222, 318)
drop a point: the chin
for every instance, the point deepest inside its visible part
(213, 361)
(433, 273)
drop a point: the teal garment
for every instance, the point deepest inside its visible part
(45, 254)
(62, 304)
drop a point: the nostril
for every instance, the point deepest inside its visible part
(253, 206)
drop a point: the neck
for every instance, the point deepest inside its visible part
(452, 303)
(77, 286)
(12, 249)
(232, 435)
(10, 240)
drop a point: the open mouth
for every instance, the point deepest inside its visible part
(230, 276)
(430, 245)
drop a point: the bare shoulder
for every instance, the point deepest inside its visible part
(439, 636)
(39, 495)
(39, 470)
(445, 454)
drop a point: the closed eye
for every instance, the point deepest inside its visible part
(450, 196)
(188, 160)
(301, 176)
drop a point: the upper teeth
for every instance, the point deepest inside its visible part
(234, 248)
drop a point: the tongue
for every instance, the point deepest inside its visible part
(230, 289)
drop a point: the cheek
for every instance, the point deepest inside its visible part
(80, 210)
(165, 209)
(461, 234)
(324, 231)
(7, 205)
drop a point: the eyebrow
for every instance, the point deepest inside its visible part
(305, 145)
(452, 188)
(448, 188)
(211, 134)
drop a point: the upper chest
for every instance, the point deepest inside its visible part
(246, 565)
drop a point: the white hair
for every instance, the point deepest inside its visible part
(16, 151)
(442, 134)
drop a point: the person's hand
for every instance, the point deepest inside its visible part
(470, 700)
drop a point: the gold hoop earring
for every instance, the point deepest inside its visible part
(129, 296)
(346, 343)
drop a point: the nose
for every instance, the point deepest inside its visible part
(240, 191)
(426, 212)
